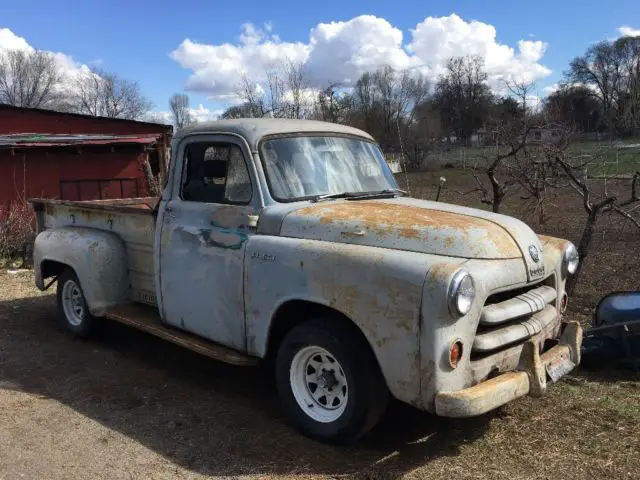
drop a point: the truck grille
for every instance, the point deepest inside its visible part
(512, 317)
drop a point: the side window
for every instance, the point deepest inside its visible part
(215, 173)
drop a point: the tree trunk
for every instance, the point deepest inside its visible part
(497, 202)
(583, 248)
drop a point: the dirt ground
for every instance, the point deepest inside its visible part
(132, 406)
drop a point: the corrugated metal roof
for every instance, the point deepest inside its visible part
(44, 140)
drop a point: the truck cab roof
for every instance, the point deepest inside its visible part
(254, 129)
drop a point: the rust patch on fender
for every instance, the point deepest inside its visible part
(552, 242)
(442, 270)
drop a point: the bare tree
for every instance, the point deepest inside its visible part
(463, 96)
(510, 163)
(594, 209)
(29, 79)
(333, 106)
(106, 94)
(179, 106)
(237, 111)
(297, 87)
(612, 71)
(282, 93)
(253, 99)
(496, 172)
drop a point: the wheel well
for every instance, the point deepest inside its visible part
(51, 268)
(295, 312)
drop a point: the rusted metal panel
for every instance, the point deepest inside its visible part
(391, 224)
(524, 237)
(129, 220)
(534, 368)
(97, 257)
(483, 397)
(200, 250)
(201, 257)
(378, 289)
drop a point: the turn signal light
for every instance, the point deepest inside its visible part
(455, 353)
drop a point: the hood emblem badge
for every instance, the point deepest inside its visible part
(533, 252)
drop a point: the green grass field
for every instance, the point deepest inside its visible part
(621, 157)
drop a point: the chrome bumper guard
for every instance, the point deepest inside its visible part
(534, 370)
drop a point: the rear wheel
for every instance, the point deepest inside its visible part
(329, 381)
(72, 306)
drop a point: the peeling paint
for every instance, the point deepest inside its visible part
(402, 227)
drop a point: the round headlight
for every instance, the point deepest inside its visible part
(462, 293)
(570, 259)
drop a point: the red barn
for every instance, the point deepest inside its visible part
(77, 157)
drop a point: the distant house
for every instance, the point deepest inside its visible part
(77, 157)
(544, 134)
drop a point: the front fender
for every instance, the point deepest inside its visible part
(378, 289)
(97, 257)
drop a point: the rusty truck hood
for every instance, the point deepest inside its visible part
(419, 226)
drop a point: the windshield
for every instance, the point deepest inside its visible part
(305, 167)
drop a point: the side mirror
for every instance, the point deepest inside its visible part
(616, 308)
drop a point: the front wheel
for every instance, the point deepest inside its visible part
(72, 306)
(329, 381)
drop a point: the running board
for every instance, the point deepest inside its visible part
(148, 320)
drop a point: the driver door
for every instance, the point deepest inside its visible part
(205, 230)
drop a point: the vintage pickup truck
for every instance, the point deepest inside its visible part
(288, 240)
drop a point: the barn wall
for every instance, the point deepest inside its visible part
(44, 168)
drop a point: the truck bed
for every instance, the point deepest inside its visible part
(132, 219)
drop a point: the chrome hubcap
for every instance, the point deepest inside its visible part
(73, 303)
(319, 384)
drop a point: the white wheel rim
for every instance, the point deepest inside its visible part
(319, 384)
(73, 303)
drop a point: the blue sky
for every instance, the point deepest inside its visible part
(136, 39)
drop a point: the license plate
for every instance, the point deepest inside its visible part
(559, 367)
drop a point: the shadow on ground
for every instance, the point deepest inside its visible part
(206, 416)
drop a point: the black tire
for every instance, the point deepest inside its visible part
(82, 326)
(367, 391)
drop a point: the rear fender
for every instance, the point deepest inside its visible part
(97, 257)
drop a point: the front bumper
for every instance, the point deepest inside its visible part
(534, 369)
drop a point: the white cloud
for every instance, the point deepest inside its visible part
(200, 114)
(341, 51)
(10, 41)
(70, 69)
(217, 68)
(549, 89)
(203, 114)
(436, 39)
(627, 31)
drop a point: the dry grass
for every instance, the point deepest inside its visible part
(132, 406)
(16, 231)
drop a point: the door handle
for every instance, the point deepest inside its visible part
(356, 233)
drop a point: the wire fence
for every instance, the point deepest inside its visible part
(594, 158)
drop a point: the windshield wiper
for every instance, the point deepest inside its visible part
(387, 192)
(333, 196)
